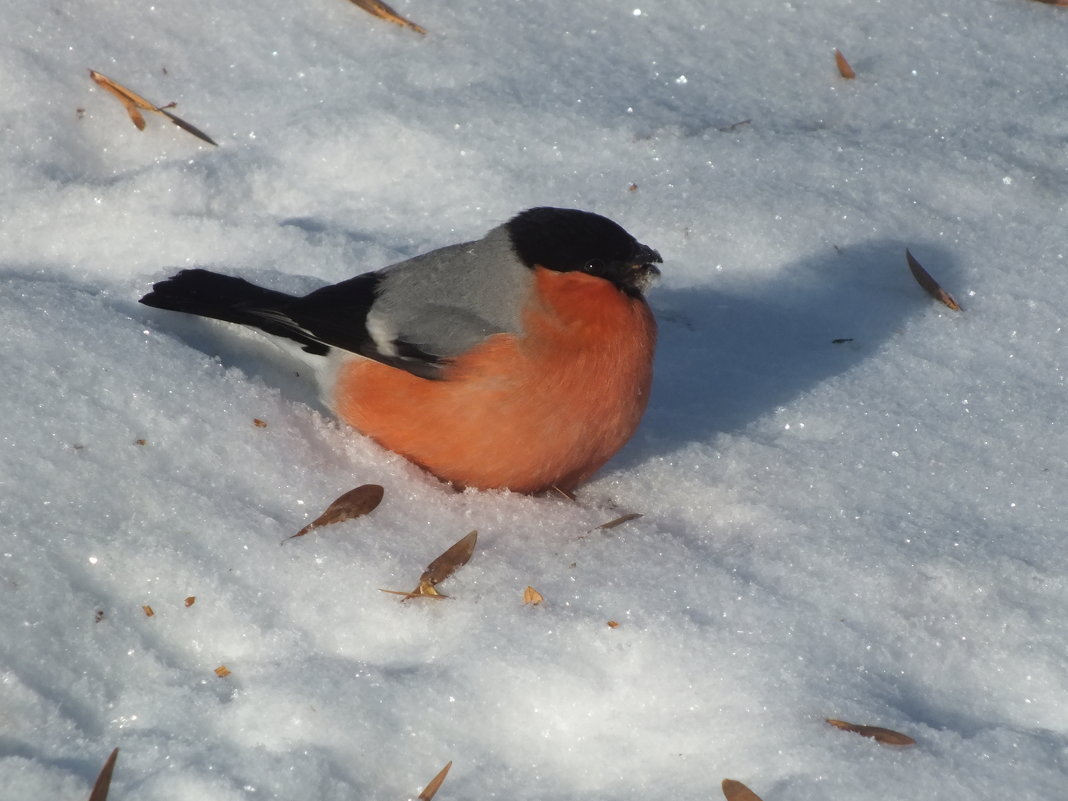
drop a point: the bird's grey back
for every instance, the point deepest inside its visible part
(450, 299)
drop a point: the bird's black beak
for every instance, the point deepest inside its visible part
(645, 255)
(644, 272)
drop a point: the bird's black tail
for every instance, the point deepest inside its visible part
(233, 300)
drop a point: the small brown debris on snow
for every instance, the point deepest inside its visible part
(383, 11)
(354, 503)
(452, 560)
(441, 568)
(563, 492)
(532, 596)
(619, 521)
(877, 733)
(134, 104)
(435, 783)
(736, 791)
(924, 279)
(844, 69)
(103, 781)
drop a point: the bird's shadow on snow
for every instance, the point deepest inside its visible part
(724, 359)
(256, 356)
(727, 359)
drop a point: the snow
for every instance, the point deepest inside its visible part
(870, 529)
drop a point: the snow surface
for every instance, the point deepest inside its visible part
(871, 530)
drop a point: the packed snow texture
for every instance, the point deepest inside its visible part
(853, 497)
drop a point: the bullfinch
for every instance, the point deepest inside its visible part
(522, 360)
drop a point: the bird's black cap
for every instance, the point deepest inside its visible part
(567, 240)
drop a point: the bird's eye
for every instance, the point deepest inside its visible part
(593, 266)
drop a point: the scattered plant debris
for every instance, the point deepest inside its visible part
(354, 503)
(619, 521)
(435, 783)
(258, 423)
(841, 341)
(613, 624)
(877, 733)
(149, 611)
(192, 599)
(383, 11)
(134, 104)
(441, 568)
(222, 671)
(98, 616)
(1054, 2)
(532, 596)
(844, 69)
(924, 279)
(736, 791)
(103, 781)
(734, 126)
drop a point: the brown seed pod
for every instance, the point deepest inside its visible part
(103, 781)
(449, 562)
(924, 279)
(354, 503)
(877, 733)
(134, 103)
(532, 596)
(434, 784)
(736, 791)
(844, 69)
(441, 568)
(383, 11)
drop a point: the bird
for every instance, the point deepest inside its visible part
(520, 361)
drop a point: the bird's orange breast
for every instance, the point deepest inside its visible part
(525, 412)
